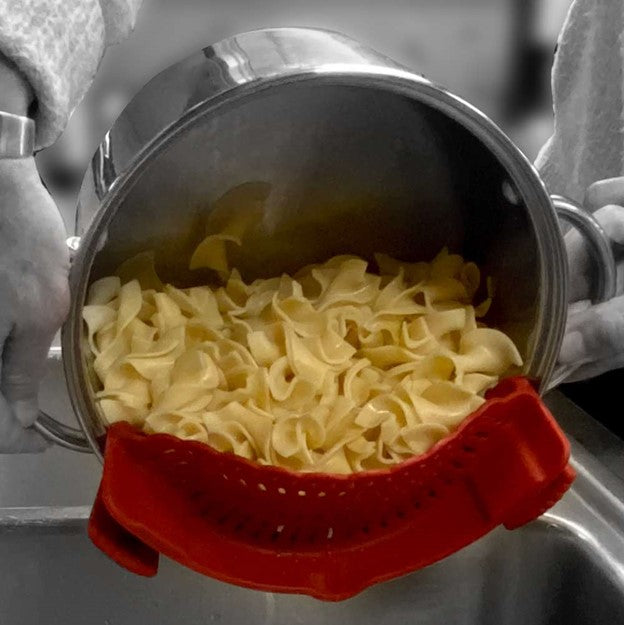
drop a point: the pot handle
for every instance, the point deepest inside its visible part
(602, 254)
(51, 429)
(61, 434)
(57, 432)
(599, 243)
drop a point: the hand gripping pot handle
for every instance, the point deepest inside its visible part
(56, 432)
(601, 252)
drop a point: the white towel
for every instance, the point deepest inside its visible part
(588, 145)
(588, 99)
(58, 45)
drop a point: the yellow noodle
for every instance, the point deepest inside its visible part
(337, 369)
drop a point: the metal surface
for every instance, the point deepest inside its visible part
(605, 282)
(17, 136)
(64, 435)
(55, 431)
(56, 478)
(567, 568)
(361, 156)
(605, 273)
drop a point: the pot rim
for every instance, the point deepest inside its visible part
(553, 271)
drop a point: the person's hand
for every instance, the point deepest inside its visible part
(594, 338)
(34, 297)
(605, 199)
(34, 294)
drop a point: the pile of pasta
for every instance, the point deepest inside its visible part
(336, 369)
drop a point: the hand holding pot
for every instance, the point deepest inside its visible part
(594, 340)
(34, 297)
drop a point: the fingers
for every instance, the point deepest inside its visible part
(23, 365)
(611, 218)
(34, 296)
(593, 369)
(14, 438)
(595, 334)
(577, 307)
(580, 267)
(38, 312)
(603, 192)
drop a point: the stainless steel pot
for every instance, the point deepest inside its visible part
(362, 156)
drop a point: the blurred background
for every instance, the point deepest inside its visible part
(496, 54)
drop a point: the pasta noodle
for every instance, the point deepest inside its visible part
(337, 369)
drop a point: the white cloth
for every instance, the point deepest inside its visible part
(588, 100)
(587, 146)
(58, 44)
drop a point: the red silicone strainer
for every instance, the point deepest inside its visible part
(329, 536)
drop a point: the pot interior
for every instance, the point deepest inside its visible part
(334, 170)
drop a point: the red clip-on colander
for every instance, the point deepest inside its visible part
(329, 536)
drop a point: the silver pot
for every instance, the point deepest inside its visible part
(361, 155)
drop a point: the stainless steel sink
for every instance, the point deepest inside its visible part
(566, 568)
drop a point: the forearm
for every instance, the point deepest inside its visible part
(588, 100)
(56, 46)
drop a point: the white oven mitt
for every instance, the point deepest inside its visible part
(34, 297)
(588, 146)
